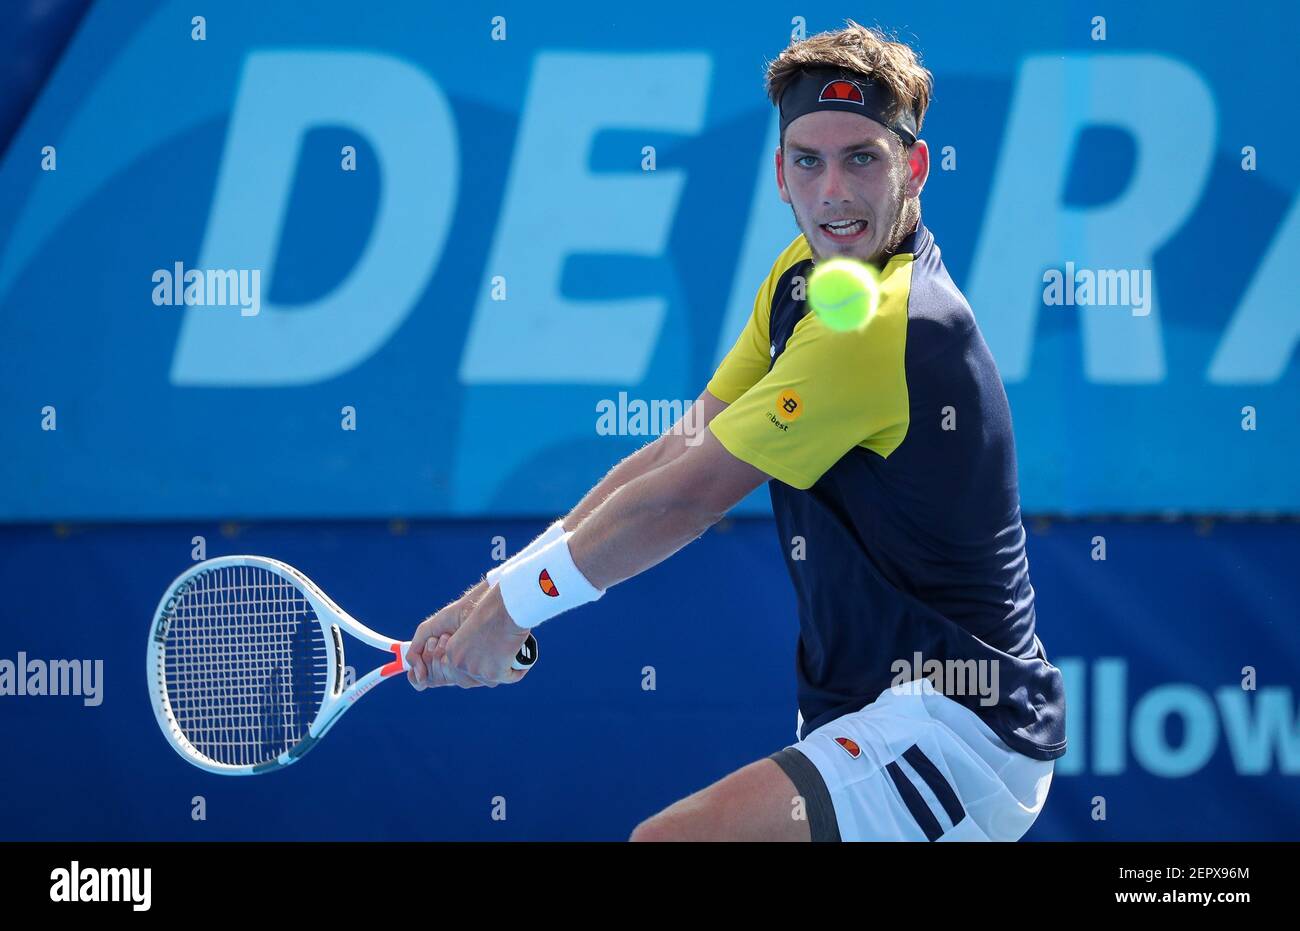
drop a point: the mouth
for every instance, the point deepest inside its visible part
(847, 230)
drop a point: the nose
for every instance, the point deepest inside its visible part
(835, 189)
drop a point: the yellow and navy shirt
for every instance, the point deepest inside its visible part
(893, 459)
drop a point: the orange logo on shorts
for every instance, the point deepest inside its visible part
(544, 580)
(789, 405)
(851, 748)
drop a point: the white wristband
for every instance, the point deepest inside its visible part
(549, 535)
(545, 584)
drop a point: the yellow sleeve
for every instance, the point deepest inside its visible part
(827, 393)
(748, 359)
(751, 355)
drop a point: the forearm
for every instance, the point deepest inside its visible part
(641, 524)
(476, 591)
(644, 460)
(687, 433)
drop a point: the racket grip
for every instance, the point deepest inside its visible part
(527, 654)
(524, 659)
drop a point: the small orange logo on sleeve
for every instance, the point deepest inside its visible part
(544, 580)
(850, 747)
(789, 406)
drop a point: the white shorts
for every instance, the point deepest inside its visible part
(914, 765)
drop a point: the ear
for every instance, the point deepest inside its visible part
(780, 176)
(918, 165)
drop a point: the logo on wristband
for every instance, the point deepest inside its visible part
(544, 580)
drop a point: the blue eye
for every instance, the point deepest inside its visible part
(801, 158)
(863, 155)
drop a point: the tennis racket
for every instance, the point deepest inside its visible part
(245, 664)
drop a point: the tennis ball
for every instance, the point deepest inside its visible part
(844, 293)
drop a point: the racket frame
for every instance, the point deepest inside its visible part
(337, 698)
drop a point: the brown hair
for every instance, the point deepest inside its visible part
(893, 65)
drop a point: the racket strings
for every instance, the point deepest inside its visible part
(245, 665)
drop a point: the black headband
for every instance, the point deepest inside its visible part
(836, 89)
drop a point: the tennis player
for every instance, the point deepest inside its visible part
(928, 709)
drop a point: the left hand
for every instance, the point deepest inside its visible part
(424, 655)
(484, 646)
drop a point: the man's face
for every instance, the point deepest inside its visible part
(849, 182)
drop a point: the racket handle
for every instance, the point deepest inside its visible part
(527, 654)
(524, 659)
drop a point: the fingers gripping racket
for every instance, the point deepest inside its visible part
(245, 664)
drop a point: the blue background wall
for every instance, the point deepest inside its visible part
(580, 751)
(522, 159)
(478, 418)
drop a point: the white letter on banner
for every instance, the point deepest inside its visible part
(281, 96)
(1170, 112)
(1263, 333)
(555, 207)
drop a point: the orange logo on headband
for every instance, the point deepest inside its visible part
(851, 748)
(544, 580)
(845, 91)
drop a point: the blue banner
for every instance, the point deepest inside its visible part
(1179, 654)
(424, 264)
